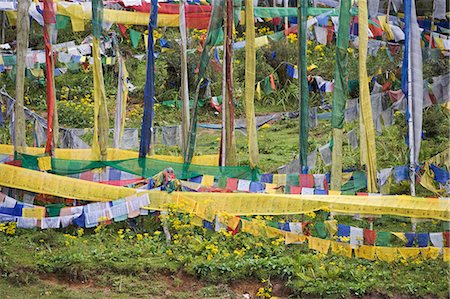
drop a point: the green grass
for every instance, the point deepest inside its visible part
(119, 261)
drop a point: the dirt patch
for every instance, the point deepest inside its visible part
(251, 287)
(182, 282)
(57, 280)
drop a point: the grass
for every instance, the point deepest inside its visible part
(122, 261)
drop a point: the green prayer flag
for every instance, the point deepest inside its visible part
(341, 72)
(97, 18)
(292, 180)
(267, 86)
(61, 22)
(277, 36)
(273, 224)
(383, 239)
(320, 230)
(303, 83)
(222, 182)
(357, 183)
(53, 210)
(135, 37)
(353, 86)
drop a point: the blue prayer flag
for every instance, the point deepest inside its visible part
(410, 237)
(267, 178)
(284, 226)
(440, 174)
(401, 173)
(423, 239)
(256, 187)
(208, 225)
(343, 230)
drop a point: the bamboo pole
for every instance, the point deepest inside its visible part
(184, 80)
(23, 29)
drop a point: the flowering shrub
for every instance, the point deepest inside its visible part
(74, 111)
(8, 228)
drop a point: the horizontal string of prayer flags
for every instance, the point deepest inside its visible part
(58, 215)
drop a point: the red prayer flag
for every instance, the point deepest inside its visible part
(123, 29)
(295, 190)
(369, 236)
(272, 82)
(232, 184)
(446, 239)
(306, 180)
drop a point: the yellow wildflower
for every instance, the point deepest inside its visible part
(292, 38)
(318, 48)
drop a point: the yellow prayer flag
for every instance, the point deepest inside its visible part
(409, 252)
(261, 41)
(386, 27)
(331, 226)
(272, 232)
(318, 244)
(439, 43)
(344, 249)
(233, 222)
(83, 59)
(146, 41)
(76, 14)
(45, 163)
(387, 254)
(430, 252)
(279, 179)
(271, 188)
(446, 254)
(368, 152)
(401, 236)
(38, 73)
(427, 179)
(208, 181)
(12, 17)
(291, 237)
(38, 212)
(365, 252)
(346, 176)
(258, 91)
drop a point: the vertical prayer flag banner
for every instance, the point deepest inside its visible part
(121, 101)
(230, 144)
(149, 91)
(340, 93)
(303, 82)
(368, 149)
(250, 68)
(49, 25)
(101, 122)
(184, 91)
(213, 37)
(412, 79)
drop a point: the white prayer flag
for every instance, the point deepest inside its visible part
(50, 222)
